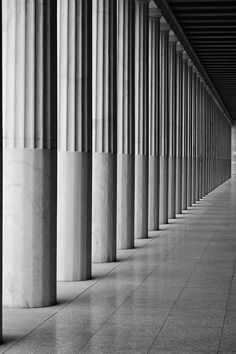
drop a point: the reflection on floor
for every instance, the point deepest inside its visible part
(174, 293)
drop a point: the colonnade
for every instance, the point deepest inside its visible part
(108, 131)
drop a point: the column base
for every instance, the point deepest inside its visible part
(74, 216)
(163, 215)
(172, 188)
(153, 193)
(104, 207)
(189, 181)
(29, 214)
(141, 197)
(125, 201)
(184, 183)
(178, 185)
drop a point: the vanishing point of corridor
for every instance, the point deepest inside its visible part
(174, 293)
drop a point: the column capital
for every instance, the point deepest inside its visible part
(154, 11)
(164, 26)
(179, 47)
(190, 63)
(172, 37)
(185, 55)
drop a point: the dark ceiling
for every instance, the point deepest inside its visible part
(210, 27)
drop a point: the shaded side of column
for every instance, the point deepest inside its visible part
(153, 185)
(30, 156)
(172, 127)
(125, 125)
(179, 80)
(1, 170)
(75, 140)
(194, 117)
(104, 176)
(189, 136)
(164, 120)
(141, 119)
(198, 121)
(184, 130)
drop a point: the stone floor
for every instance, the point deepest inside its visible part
(174, 293)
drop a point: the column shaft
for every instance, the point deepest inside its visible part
(1, 171)
(164, 121)
(125, 125)
(198, 114)
(184, 130)
(189, 137)
(141, 119)
(153, 190)
(75, 140)
(194, 117)
(104, 180)
(30, 156)
(172, 120)
(179, 80)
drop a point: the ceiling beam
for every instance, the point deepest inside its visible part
(171, 19)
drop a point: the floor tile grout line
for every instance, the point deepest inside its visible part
(213, 232)
(153, 238)
(77, 296)
(227, 305)
(156, 266)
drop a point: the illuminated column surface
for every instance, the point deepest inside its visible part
(30, 152)
(75, 140)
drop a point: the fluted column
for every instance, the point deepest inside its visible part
(204, 113)
(75, 140)
(141, 119)
(172, 126)
(125, 125)
(198, 113)
(189, 135)
(1, 180)
(104, 66)
(154, 75)
(194, 117)
(200, 182)
(164, 120)
(184, 130)
(179, 81)
(30, 156)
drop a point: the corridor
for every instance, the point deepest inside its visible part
(174, 293)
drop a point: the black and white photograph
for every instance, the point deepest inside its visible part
(118, 177)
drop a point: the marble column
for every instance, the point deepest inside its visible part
(104, 177)
(164, 120)
(154, 75)
(203, 139)
(125, 125)
(75, 140)
(1, 180)
(194, 117)
(141, 119)
(233, 137)
(200, 138)
(189, 135)
(172, 126)
(179, 80)
(198, 132)
(30, 152)
(184, 130)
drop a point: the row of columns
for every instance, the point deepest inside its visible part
(108, 131)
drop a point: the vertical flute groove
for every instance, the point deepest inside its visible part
(74, 79)
(29, 114)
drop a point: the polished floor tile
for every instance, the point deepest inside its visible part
(174, 293)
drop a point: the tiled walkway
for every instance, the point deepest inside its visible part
(175, 293)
